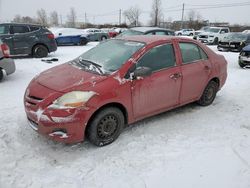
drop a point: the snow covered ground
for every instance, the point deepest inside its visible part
(190, 147)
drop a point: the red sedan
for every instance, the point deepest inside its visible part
(120, 82)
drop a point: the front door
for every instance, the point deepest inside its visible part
(21, 39)
(161, 89)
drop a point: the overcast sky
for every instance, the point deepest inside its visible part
(108, 11)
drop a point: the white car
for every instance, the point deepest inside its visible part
(213, 35)
(185, 32)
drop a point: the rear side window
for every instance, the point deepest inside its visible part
(34, 28)
(158, 58)
(3, 30)
(19, 29)
(191, 52)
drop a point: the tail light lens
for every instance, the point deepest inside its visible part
(5, 49)
(50, 36)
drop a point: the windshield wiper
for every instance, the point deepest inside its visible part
(89, 63)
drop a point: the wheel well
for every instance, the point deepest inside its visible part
(216, 80)
(37, 45)
(116, 105)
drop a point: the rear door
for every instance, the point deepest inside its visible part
(161, 89)
(21, 39)
(196, 69)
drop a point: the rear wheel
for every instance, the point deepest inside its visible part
(1, 74)
(40, 51)
(209, 94)
(103, 38)
(106, 126)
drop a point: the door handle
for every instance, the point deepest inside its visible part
(207, 67)
(175, 76)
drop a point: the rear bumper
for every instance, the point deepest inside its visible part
(8, 65)
(52, 46)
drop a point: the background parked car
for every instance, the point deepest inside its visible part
(146, 31)
(213, 35)
(70, 36)
(95, 34)
(203, 29)
(244, 57)
(26, 39)
(105, 89)
(234, 42)
(112, 33)
(6, 64)
(185, 32)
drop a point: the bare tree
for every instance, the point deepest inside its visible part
(42, 17)
(54, 19)
(156, 13)
(194, 19)
(133, 14)
(23, 19)
(71, 18)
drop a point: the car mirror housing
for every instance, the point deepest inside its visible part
(142, 72)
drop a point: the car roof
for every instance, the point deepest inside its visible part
(37, 25)
(145, 29)
(152, 39)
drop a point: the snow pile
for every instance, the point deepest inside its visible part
(192, 146)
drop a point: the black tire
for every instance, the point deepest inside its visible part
(179, 34)
(105, 127)
(241, 65)
(103, 38)
(216, 41)
(209, 94)
(1, 74)
(40, 51)
(191, 34)
(83, 42)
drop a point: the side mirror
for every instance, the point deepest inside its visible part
(142, 72)
(60, 34)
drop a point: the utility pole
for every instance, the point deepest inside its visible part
(120, 16)
(85, 18)
(182, 16)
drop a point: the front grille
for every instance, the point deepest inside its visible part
(203, 36)
(32, 100)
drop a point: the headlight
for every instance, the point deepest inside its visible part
(72, 99)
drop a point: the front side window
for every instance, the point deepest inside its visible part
(191, 52)
(19, 29)
(158, 58)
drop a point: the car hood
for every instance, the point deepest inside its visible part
(66, 77)
(207, 33)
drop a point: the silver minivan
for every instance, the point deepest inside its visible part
(7, 65)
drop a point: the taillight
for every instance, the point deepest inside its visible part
(51, 36)
(5, 49)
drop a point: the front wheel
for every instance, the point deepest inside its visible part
(209, 94)
(40, 51)
(106, 126)
(242, 65)
(216, 41)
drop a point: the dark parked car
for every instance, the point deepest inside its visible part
(6, 63)
(147, 31)
(26, 39)
(95, 34)
(234, 42)
(119, 82)
(244, 57)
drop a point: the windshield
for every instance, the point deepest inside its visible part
(236, 36)
(213, 30)
(111, 55)
(130, 32)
